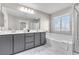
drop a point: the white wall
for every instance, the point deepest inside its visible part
(44, 20)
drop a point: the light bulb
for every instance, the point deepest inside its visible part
(26, 10)
(32, 11)
(21, 9)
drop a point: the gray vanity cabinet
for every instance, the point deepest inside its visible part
(37, 39)
(14, 43)
(18, 42)
(43, 37)
(5, 44)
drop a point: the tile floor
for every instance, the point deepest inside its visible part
(42, 50)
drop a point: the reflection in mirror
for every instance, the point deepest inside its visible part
(14, 19)
(35, 24)
(1, 19)
(22, 25)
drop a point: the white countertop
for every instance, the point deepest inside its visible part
(17, 32)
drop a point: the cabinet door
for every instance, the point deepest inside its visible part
(43, 38)
(18, 43)
(29, 45)
(37, 39)
(5, 44)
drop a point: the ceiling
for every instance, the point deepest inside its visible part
(48, 8)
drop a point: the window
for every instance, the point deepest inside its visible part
(61, 24)
(65, 23)
(56, 24)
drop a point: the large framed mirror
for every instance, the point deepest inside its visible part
(17, 19)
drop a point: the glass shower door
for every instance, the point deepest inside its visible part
(76, 41)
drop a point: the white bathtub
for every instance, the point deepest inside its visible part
(61, 43)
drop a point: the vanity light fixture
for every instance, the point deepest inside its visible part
(27, 10)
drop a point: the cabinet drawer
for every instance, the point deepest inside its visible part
(37, 34)
(29, 45)
(43, 40)
(43, 35)
(29, 39)
(29, 34)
